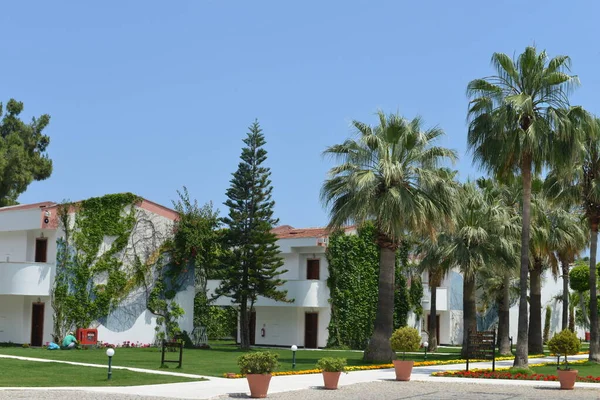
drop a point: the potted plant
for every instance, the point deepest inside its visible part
(405, 339)
(563, 344)
(332, 368)
(258, 366)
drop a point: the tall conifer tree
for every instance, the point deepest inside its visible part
(252, 264)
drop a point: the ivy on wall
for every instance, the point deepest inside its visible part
(353, 285)
(90, 283)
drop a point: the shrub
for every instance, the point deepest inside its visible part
(25, 345)
(564, 343)
(261, 362)
(331, 364)
(405, 339)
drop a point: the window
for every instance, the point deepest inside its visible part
(312, 269)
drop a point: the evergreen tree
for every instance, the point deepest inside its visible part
(252, 264)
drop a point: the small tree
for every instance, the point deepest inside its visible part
(405, 339)
(564, 343)
(252, 264)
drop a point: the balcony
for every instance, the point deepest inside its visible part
(25, 278)
(441, 298)
(306, 293)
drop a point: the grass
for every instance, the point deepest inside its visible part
(17, 373)
(586, 369)
(222, 358)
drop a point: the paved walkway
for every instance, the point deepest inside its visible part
(238, 388)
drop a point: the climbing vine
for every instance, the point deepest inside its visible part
(90, 281)
(353, 285)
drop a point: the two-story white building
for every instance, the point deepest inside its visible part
(28, 250)
(304, 321)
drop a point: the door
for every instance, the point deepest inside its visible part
(41, 248)
(37, 324)
(253, 328)
(437, 324)
(312, 269)
(311, 329)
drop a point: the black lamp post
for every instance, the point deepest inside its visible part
(110, 353)
(425, 345)
(294, 348)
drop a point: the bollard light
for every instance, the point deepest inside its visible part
(425, 345)
(110, 353)
(294, 348)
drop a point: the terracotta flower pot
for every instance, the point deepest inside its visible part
(331, 379)
(567, 378)
(403, 369)
(259, 385)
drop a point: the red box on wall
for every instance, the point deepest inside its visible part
(87, 336)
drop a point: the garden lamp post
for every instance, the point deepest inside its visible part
(425, 345)
(110, 353)
(294, 348)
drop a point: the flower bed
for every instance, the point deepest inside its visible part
(504, 373)
(382, 366)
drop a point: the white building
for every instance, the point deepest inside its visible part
(28, 235)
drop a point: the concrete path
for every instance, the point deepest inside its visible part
(238, 388)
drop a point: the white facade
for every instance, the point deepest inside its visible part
(28, 235)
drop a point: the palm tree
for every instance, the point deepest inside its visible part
(514, 116)
(390, 175)
(567, 238)
(580, 185)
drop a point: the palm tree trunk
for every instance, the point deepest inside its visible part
(432, 331)
(521, 359)
(379, 348)
(594, 342)
(504, 318)
(565, 296)
(536, 345)
(469, 311)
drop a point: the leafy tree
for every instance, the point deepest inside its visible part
(388, 175)
(518, 124)
(252, 264)
(23, 157)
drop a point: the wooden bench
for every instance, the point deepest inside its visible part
(481, 346)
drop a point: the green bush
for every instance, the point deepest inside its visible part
(405, 339)
(331, 364)
(564, 343)
(260, 362)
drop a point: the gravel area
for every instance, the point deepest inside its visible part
(392, 390)
(69, 395)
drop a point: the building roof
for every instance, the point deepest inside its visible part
(20, 207)
(289, 232)
(144, 203)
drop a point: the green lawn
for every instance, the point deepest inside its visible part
(586, 369)
(30, 373)
(220, 359)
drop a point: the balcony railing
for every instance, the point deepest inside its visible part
(305, 293)
(25, 278)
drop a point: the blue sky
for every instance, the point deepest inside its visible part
(150, 96)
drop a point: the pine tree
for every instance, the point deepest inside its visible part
(252, 264)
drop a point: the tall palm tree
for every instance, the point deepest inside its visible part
(389, 174)
(514, 117)
(580, 185)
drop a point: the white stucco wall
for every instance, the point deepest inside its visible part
(285, 326)
(13, 246)
(20, 220)
(15, 318)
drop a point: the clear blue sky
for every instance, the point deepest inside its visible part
(150, 96)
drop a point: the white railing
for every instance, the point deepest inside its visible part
(25, 278)
(305, 293)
